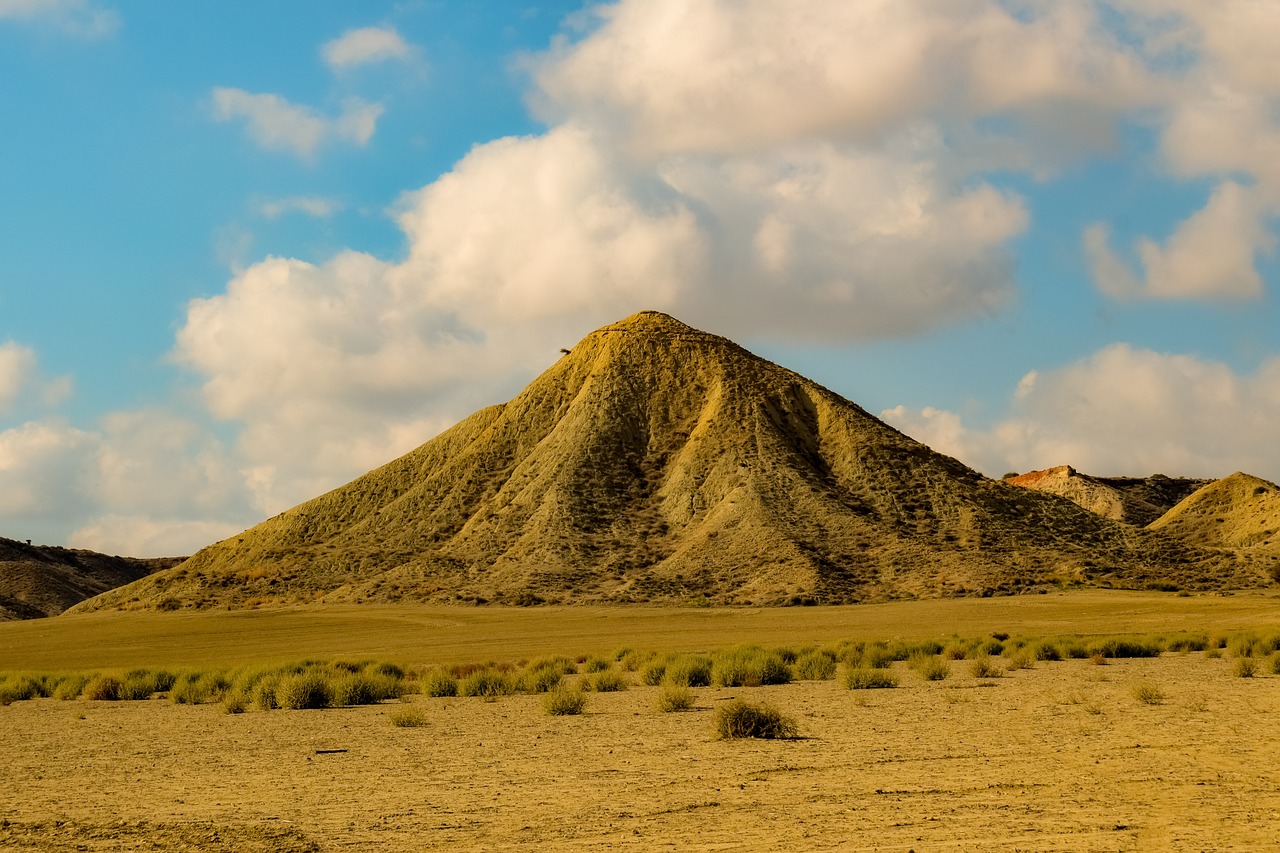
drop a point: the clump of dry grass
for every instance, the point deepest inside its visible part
(564, 701)
(408, 717)
(488, 684)
(301, 691)
(606, 681)
(748, 666)
(931, 667)
(673, 697)
(739, 719)
(437, 683)
(815, 666)
(103, 688)
(983, 666)
(1245, 667)
(1148, 693)
(861, 678)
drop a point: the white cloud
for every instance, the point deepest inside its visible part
(674, 76)
(1220, 121)
(79, 18)
(17, 364)
(317, 206)
(275, 123)
(106, 482)
(1211, 254)
(22, 383)
(364, 46)
(1123, 411)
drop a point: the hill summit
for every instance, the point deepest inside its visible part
(657, 463)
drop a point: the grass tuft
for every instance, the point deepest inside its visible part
(860, 678)
(564, 701)
(673, 697)
(738, 719)
(1148, 693)
(408, 717)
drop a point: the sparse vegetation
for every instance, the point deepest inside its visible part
(1245, 667)
(606, 682)
(983, 666)
(673, 697)
(564, 701)
(861, 678)
(739, 719)
(408, 717)
(931, 667)
(1148, 693)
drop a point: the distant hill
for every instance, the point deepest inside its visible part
(658, 463)
(37, 581)
(1134, 500)
(1240, 512)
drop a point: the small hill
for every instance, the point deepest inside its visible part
(1237, 512)
(657, 463)
(1134, 500)
(37, 581)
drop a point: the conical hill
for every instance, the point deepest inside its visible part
(1240, 511)
(657, 463)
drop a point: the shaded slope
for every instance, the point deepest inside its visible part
(37, 581)
(656, 462)
(1133, 500)
(1240, 512)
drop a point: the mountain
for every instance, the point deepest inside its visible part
(37, 581)
(1133, 500)
(657, 463)
(1236, 512)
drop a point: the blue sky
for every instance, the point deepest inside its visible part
(249, 251)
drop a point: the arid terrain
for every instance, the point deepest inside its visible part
(1165, 753)
(1059, 757)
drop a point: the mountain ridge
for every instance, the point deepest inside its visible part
(654, 462)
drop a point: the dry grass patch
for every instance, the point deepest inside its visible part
(739, 719)
(860, 678)
(564, 701)
(408, 717)
(674, 698)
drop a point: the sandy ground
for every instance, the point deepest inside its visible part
(1060, 757)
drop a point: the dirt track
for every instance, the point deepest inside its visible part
(1061, 757)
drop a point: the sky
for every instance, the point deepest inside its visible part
(249, 251)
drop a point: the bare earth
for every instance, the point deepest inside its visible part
(1060, 757)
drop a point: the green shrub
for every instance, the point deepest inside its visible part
(652, 671)
(673, 697)
(748, 667)
(606, 682)
(1245, 667)
(861, 678)
(543, 679)
(1044, 650)
(263, 693)
(363, 688)
(1126, 647)
(437, 683)
(739, 719)
(983, 666)
(70, 687)
(596, 665)
(487, 684)
(565, 701)
(688, 671)
(408, 717)
(195, 688)
(931, 667)
(103, 688)
(816, 666)
(304, 691)
(143, 684)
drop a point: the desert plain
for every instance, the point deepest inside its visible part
(1174, 752)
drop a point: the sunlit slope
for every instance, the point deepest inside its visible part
(655, 462)
(1240, 511)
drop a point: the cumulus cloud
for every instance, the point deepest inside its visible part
(1211, 255)
(364, 46)
(107, 480)
(21, 382)
(79, 18)
(675, 76)
(1123, 411)
(317, 206)
(274, 122)
(1221, 121)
